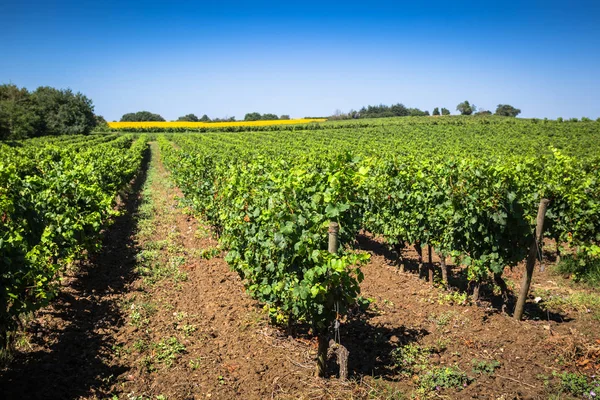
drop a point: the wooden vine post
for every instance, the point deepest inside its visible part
(443, 267)
(419, 251)
(430, 263)
(533, 252)
(323, 336)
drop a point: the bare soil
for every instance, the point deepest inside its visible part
(159, 313)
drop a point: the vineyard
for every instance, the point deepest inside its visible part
(376, 237)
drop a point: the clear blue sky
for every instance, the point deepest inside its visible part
(307, 58)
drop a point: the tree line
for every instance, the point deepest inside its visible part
(45, 111)
(400, 110)
(144, 116)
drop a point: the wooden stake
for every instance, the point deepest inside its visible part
(533, 252)
(400, 259)
(334, 229)
(430, 263)
(444, 268)
(419, 251)
(323, 336)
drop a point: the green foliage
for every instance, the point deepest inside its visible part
(506, 110)
(204, 118)
(411, 359)
(577, 384)
(439, 378)
(465, 108)
(46, 111)
(188, 118)
(273, 217)
(436, 111)
(101, 125)
(445, 111)
(141, 116)
(56, 195)
(63, 112)
(583, 267)
(468, 187)
(168, 350)
(487, 367)
(254, 116)
(18, 117)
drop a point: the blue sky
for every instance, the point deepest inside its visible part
(307, 58)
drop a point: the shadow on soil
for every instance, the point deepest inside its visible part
(458, 280)
(371, 347)
(74, 362)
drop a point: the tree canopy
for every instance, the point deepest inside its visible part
(507, 110)
(436, 111)
(46, 111)
(255, 116)
(188, 118)
(445, 111)
(141, 116)
(465, 108)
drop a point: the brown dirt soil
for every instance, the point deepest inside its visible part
(195, 334)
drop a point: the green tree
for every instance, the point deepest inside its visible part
(284, 116)
(507, 110)
(101, 124)
(445, 111)
(269, 117)
(465, 108)
(188, 118)
(253, 116)
(415, 112)
(141, 116)
(436, 111)
(204, 118)
(63, 112)
(18, 119)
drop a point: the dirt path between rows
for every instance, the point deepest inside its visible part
(159, 315)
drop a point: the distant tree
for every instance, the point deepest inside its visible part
(253, 116)
(445, 111)
(101, 124)
(465, 108)
(64, 112)
(188, 118)
(436, 111)
(559, 119)
(204, 118)
(507, 110)
(141, 116)
(399, 110)
(18, 117)
(224, 119)
(269, 117)
(483, 112)
(284, 116)
(415, 112)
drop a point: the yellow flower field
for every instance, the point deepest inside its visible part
(184, 124)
